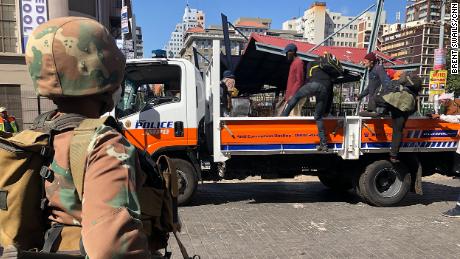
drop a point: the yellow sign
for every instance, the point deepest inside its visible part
(438, 80)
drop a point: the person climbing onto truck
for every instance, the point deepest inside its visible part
(399, 97)
(378, 77)
(319, 84)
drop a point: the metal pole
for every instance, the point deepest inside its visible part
(236, 29)
(372, 43)
(441, 29)
(333, 34)
(39, 105)
(440, 46)
(228, 49)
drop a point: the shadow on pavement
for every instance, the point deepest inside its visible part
(305, 192)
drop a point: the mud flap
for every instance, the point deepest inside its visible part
(418, 178)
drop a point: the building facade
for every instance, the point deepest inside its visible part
(318, 22)
(416, 40)
(365, 26)
(294, 24)
(17, 93)
(192, 18)
(252, 25)
(202, 40)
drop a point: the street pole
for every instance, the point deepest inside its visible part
(371, 47)
(440, 47)
(441, 29)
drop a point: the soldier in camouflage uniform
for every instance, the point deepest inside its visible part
(75, 62)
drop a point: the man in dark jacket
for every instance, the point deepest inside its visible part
(377, 77)
(319, 85)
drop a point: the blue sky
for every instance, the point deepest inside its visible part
(159, 17)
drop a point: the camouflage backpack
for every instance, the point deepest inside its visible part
(29, 153)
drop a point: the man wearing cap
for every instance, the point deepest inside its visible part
(7, 122)
(377, 77)
(227, 90)
(295, 78)
(451, 113)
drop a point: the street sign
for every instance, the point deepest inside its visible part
(438, 80)
(439, 59)
(124, 20)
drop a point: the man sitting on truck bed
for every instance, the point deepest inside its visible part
(319, 84)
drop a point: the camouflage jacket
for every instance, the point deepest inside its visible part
(108, 217)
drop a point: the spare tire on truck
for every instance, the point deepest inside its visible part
(383, 183)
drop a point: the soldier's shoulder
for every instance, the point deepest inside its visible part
(107, 135)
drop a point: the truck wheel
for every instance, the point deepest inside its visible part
(188, 180)
(384, 183)
(335, 182)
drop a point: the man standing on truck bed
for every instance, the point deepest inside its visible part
(319, 85)
(295, 78)
(377, 77)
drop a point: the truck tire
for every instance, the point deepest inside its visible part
(384, 184)
(336, 182)
(188, 180)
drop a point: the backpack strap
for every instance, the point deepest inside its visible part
(79, 146)
(310, 73)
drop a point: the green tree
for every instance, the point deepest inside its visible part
(453, 81)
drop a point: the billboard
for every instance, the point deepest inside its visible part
(438, 80)
(124, 20)
(33, 13)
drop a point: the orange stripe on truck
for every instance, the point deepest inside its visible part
(152, 140)
(278, 132)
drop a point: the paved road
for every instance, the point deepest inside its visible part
(303, 219)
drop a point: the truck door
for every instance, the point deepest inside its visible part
(153, 107)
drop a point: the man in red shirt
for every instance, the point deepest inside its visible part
(295, 78)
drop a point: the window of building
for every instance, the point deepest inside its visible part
(8, 36)
(83, 6)
(118, 4)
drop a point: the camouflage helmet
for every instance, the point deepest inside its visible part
(73, 56)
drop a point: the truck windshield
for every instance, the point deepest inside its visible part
(147, 87)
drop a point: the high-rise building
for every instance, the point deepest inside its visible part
(16, 88)
(423, 10)
(365, 26)
(192, 18)
(318, 22)
(294, 24)
(416, 40)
